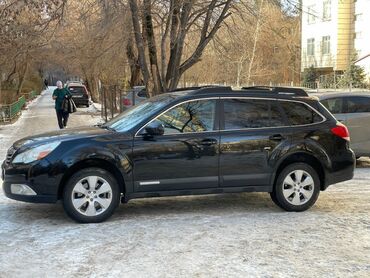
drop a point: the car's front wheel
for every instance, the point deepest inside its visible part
(91, 195)
(297, 187)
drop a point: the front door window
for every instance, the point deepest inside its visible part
(193, 116)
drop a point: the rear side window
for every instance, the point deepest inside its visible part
(358, 104)
(334, 105)
(142, 93)
(77, 90)
(250, 113)
(299, 113)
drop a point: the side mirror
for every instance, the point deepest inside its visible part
(154, 128)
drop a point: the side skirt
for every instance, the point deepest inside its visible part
(136, 195)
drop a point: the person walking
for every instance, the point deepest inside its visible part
(46, 83)
(59, 95)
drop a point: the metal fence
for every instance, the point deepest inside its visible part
(111, 99)
(10, 111)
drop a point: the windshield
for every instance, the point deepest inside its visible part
(136, 114)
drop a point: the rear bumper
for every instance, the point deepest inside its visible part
(344, 171)
(81, 101)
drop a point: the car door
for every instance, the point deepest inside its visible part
(186, 156)
(358, 123)
(251, 131)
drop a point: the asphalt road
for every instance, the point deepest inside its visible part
(228, 235)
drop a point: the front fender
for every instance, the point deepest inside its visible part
(116, 155)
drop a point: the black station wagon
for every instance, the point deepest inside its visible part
(202, 140)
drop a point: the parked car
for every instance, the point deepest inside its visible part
(73, 81)
(79, 92)
(135, 96)
(200, 141)
(352, 109)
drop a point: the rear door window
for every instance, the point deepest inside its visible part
(142, 93)
(251, 113)
(358, 104)
(77, 90)
(334, 105)
(299, 113)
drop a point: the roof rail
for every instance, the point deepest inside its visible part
(279, 90)
(204, 89)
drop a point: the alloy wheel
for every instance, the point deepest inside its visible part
(91, 196)
(298, 187)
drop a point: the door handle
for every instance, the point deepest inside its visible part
(276, 137)
(208, 142)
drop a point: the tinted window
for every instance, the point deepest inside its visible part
(77, 90)
(334, 105)
(358, 104)
(193, 116)
(142, 93)
(299, 113)
(248, 113)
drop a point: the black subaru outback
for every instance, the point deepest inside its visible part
(190, 141)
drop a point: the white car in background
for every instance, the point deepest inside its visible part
(353, 109)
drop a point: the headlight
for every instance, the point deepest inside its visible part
(36, 153)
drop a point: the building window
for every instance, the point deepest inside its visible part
(326, 10)
(311, 14)
(357, 35)
(326, 45)
(358, 17)
(311, 47)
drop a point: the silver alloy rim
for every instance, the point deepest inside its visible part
(92, 195)
(298, 187)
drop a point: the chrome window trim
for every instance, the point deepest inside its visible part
(243, 129)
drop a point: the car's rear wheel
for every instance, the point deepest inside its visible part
(297, 187)
(91, 195)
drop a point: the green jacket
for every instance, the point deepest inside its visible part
(60, 94)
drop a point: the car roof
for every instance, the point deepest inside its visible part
(75, 85)
(344, 94)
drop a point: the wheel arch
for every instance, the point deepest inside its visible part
(89, 163)
(303, 157)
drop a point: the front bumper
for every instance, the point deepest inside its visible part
(36, 177)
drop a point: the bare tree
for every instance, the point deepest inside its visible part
(178, 18)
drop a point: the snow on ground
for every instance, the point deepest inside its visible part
(227, 235)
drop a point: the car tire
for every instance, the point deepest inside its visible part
(297, 187)
(91, 195)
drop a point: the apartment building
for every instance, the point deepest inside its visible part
(332, 32)
(362, 34)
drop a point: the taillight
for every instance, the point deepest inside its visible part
(126, 102)
(341, 131)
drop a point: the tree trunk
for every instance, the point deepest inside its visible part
(133, 61)
(93, 83)
(255, 39)
(140, 46)
(152, 47)
(22, 78)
